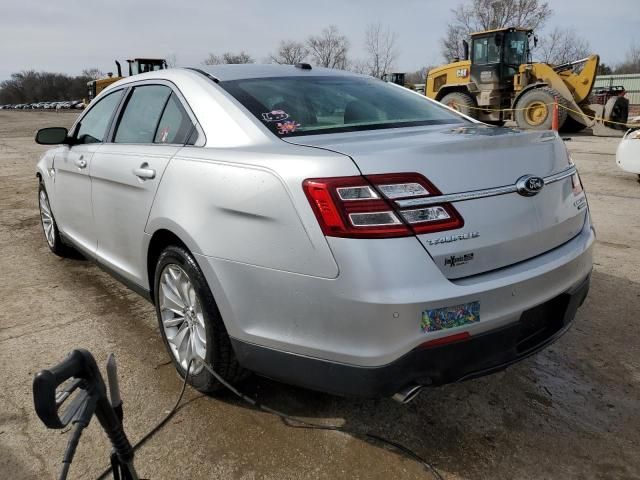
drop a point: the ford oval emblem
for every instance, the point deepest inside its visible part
(529, 185)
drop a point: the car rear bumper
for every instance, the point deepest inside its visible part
(476, 356)
(372, 314)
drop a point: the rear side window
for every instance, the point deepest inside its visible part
(93, 126)
(142, 113)
(175, 125)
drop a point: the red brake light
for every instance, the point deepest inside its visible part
(364, 207)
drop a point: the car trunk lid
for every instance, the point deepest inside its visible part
(483, 165)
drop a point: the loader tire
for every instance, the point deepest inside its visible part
(461, 102)
(534, 109)
(572, 126)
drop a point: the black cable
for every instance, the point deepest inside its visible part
(288, 420)
(314, 426)
(160, 424)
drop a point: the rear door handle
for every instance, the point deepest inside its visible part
(80, 162)
(144, 172)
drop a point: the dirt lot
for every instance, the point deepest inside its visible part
(572, 411)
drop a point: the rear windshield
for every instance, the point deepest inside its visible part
(291, 106)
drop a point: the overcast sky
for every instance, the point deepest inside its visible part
(70, 35)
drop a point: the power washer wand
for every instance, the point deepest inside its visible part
(83, 384)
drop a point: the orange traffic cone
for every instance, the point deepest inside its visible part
(554, 119)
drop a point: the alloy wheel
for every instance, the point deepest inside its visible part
(47, 219)
(182, 318)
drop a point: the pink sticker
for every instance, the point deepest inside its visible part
(287, 127)
(164, 135)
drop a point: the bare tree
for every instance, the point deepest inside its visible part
(561, 46)
(92, 73)
(451, 43)
(418, 77)
(229, 57)
(478, 15)
(329, 49)
(359, 66)
(631, 63)
(380, 45)
(290, 52)
(30, 86)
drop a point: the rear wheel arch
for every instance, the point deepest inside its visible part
(160, 240)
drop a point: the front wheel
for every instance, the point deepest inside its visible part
(50, 227)
(534, 110)
(190, 323)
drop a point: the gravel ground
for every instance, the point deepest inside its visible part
(572, 411)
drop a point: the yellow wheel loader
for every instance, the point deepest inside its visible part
(497, 81)
(136, 65)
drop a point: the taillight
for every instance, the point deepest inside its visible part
(576, 183)
(364, 207)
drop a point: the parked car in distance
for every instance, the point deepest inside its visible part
(628, 152)
(319, 227)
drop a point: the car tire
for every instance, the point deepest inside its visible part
(461, 102)
(173, 302)
(50, 227)
(534, 110)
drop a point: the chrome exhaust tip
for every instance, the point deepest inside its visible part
(407, 394)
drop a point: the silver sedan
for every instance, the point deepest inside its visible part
(319, 227)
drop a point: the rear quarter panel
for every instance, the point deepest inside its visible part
(247, 206)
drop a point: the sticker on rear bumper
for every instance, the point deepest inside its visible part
(437, 319)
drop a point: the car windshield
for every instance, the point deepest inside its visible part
(291, 106)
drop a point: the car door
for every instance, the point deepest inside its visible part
(72, 183)
(152, 126)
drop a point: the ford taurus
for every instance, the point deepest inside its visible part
(319, 227)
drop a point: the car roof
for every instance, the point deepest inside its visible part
(251, 70)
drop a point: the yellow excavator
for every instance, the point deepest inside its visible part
(497, 81)
(136, 65)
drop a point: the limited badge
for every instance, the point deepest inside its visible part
(437, 319)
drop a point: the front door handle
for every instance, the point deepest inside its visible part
(80, 162)
(144, 172)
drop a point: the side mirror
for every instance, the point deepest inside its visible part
(52, 136)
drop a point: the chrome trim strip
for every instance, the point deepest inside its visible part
(561, 175)
(489, 192)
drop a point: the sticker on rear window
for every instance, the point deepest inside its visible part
(287, 127)
(164, 135)
(275, 116)
(437, 319)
